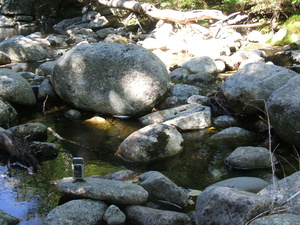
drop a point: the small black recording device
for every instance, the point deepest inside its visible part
(78, 169)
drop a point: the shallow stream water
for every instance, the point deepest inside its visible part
(31, 196)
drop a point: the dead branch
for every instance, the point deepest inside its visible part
(164, 14)
(18, 149)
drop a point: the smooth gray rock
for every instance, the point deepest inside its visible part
(160, 187)
(284, 190)
(6, 219)
(277, 219)
(114, 216)
(151, 143)
(23, 49)
(144, 216)
(77, 212)
(182, 92)
(248, 89)
(111, 78)
(228, 206)
(179, 114)
(7, 22)
(112, 191)
(46, 68)
(46, 92)
(283, 106)
(15, 88)
(249, 157)
(233, 137)
(251, 184)
(8, 115)
(32, 131)
(73, 114)
(225, 121)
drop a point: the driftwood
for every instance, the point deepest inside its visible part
(164, 14)
(17, 149)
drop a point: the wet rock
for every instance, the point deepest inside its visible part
(162, 188)
(77, 212)
(4, 58)
(288, 59)
(114, 216)
(23, 49)
(8, 115)
(283, 106)
(112, 191)
(43, 150)
(225, 121)
(233, 137)
(30, 131)
(7, 219)
(151, 143)
(15, 88)
(280, 219)
(227, 206)
(145, 215)
(185, 117)
(110, 78)
(73, 114)
(46, 92)
(255, 82)
(250, 184)
(249, 157)
(201, 69)
(284, 190)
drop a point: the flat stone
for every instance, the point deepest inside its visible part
(112, 191)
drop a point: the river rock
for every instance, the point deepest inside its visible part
(46, 68)
(151, 143)
(225, 121)
(77, 212)
(160, 187)
(6, 219)
(255, 82)
(288, 59)
(73, 114)
(7, 22)
(185, 117)
(4, 58)
(112, 191)
(284, 190)
(144, 216)
(233, 137)
(8, 115)
(23, 49)
(201, 69)
(250, 184)
(43, 150)
(249, 157)
(277, 219)
(179, 74)
(111, 78)
(15, 88)
(46, 92)
(114, 216)
(30, 131)
(283, 106)
(227, 206)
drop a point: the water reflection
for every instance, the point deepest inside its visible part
(10, 32)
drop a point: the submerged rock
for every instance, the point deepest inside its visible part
(227, 206)
(7, 219)
(160, 187)
(111, 78)
(145, 216)
(77, 212)
(117, 192)
(151, 143)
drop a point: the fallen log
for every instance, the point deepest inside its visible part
(17, 149)
(165, 14)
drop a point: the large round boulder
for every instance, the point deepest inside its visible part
(248, 89)
(111, 78)
(284, 107)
